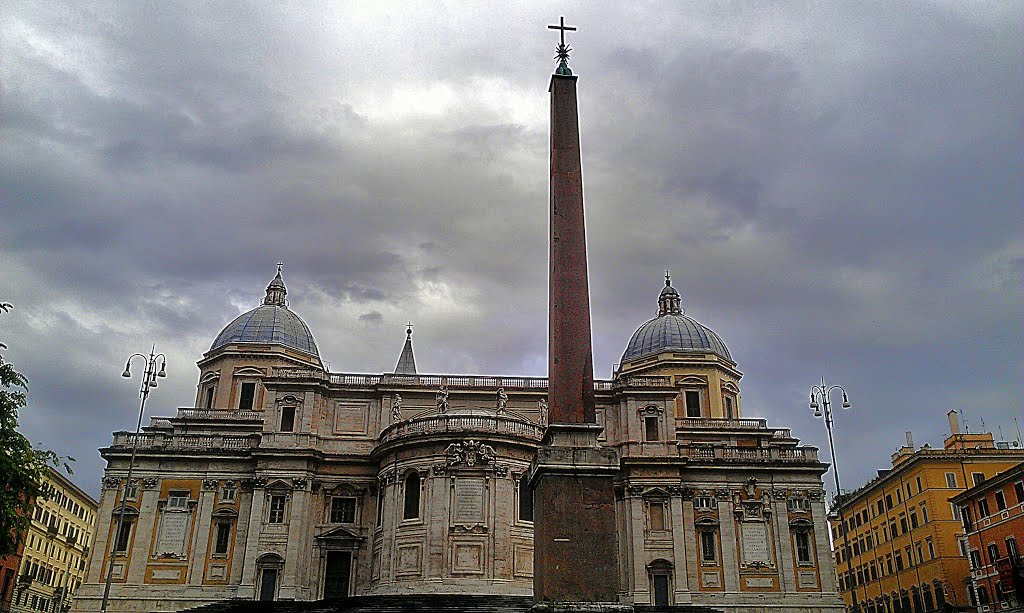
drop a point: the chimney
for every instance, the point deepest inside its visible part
(910, 439)
(954, 423)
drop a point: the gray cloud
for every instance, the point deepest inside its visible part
(835, 189)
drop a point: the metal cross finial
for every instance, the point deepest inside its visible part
(408, 330)
(668, 278)
(562, 50)
(561, 26)
(280, 265)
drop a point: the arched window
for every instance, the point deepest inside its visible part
(268, 568)
(525, 498)
(412, 496)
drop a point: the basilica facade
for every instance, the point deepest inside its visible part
(284, 481)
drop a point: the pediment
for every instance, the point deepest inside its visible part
(656, 492)
(691, 380)
(729, 386)
(341, 533)
(249, 371)
(278, 484)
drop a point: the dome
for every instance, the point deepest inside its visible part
(270, 323)
(673, 331)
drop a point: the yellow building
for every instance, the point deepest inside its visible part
(56, 547)
(895, 539)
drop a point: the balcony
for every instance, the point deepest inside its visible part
(215, 415)
(468, 424)
(185, 442)
(720, 455)
(470, 382)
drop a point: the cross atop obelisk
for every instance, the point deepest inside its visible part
(562, 50)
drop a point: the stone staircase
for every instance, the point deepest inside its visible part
(423, 603)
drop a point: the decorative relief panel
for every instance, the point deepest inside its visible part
(467, 558)
(522, 560)
(409, 559)
(350, 417)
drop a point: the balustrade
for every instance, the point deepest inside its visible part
(463, 423)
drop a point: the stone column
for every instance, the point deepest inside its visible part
(730, 555)
(148, 521)
(295, 579)
(638, 520)
(824, 561)
(247, 589)
(241, 540)
(690, 547)
(784, 546)
(201, 534)
(105, 526)
(680, 561)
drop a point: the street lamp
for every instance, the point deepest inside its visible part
(149, 378)
(823, 408)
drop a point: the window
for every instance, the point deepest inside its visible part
(910, 555)
(208, 392)
(888, 502)
(913, 519)
(287, 419)
(965, 515)
(1011, 547)
(978, 478)
(704, 503)
(343, 510)
(903, 523)
(412, 497)
(131, 490)
(123, 536)
(931, 548)
(899, 561)
(380, 506)
(881, 506)
(728, 408)
(525, 498)
(908, 491)
(924, 513)
(227, 493)
(975, 559)
(247, 397)
(708, 547)
(277, 504)
(222, 537)
(692, 399)
(1000, 501)
(983, 508)
(954, 510)
(993, 553)
(656, 516)
(177, 500)
(803, 547)
(920, 552)
(1018, 489)
(874, 571)
(888, 563)
(651, 428)
(899, 496)
(951, 480)
(919, 487)
(799, 504)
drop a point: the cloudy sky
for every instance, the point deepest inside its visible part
(836, 187)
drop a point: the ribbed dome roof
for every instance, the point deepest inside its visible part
(673, 331)
(270, 323)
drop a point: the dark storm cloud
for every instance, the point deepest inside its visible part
(836, 190)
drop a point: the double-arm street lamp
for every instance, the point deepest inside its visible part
(149, 378)
(823, 408)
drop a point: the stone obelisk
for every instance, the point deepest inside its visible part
(575, 554)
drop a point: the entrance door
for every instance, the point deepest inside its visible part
(336, 574)
(661, 590)
(268, 584)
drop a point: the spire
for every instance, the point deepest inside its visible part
(669, 302)
(276, 291)
(406, 362)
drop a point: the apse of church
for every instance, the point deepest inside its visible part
(285, 481)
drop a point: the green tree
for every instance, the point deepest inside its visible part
(22, 466)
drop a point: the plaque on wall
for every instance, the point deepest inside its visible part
(754, 539)
(173, 533)
(469, 500)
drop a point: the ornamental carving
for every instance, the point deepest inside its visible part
(650, 410)
(468, 529)
(259, 483)
(469, 454)
(501, 470)
(441, 399)
(678, 490)
(111, 483)
(439, 469)
(209, 484)
(634, 490)
(501, 402)
(816, 494)
(299, 484)
(149, 483)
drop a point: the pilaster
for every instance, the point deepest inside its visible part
(679, 555)
(730, 562)
(201, 534)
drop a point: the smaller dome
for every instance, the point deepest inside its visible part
(271, 323)
(673, 331)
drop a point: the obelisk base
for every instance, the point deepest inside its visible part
(575, 561)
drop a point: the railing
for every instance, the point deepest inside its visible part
(720, 454)
(235, 415)
(457, 381)
(184, 441)
(463, 423)
(708, 423)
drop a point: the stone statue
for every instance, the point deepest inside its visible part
(542, 408)
(502, 401)
(442, 399)
(396, 409)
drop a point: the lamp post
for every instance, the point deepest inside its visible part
(149, 378)
(820, 394)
